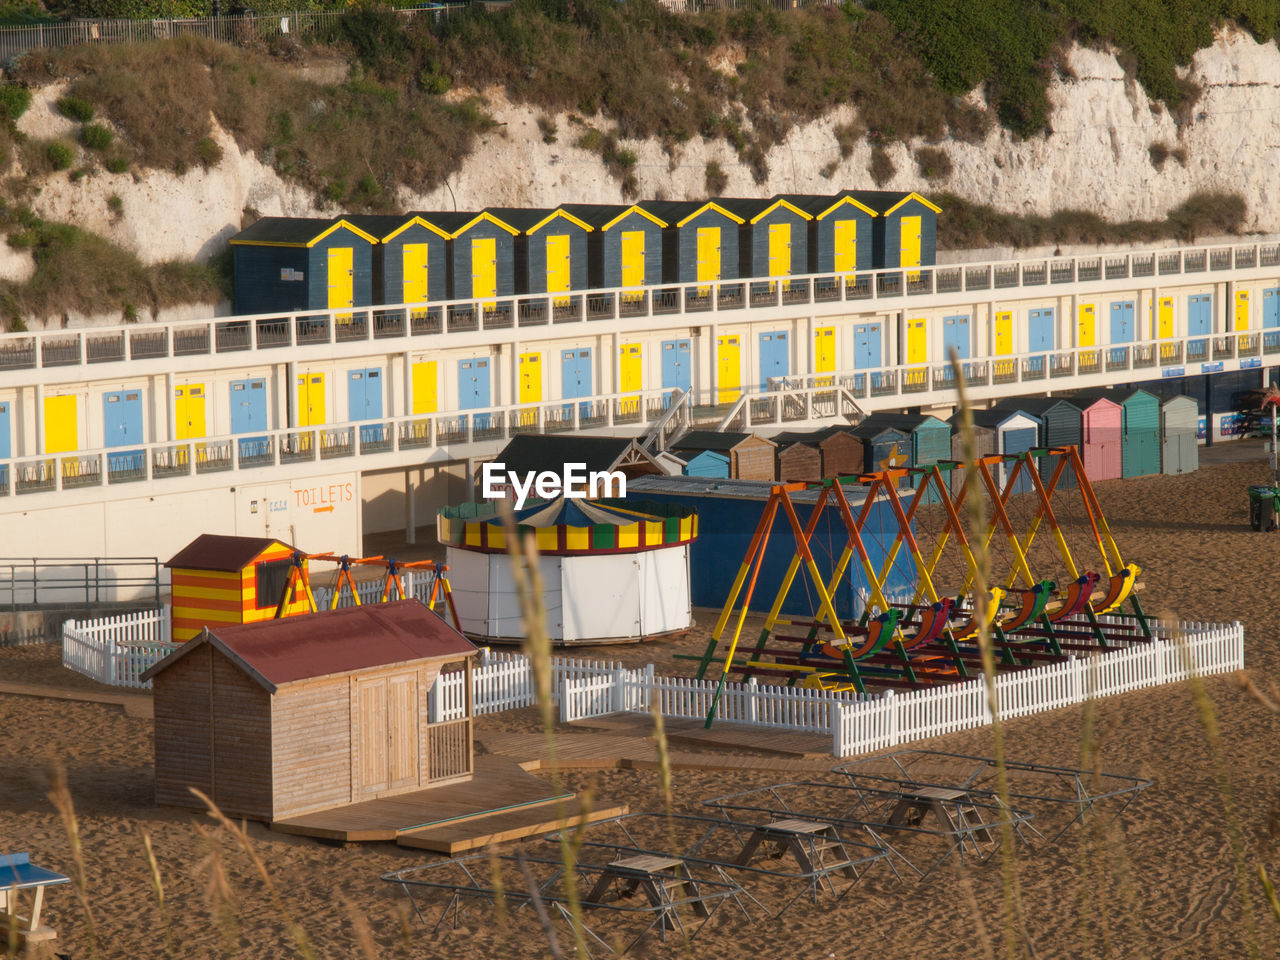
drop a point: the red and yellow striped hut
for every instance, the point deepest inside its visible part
(221, 580)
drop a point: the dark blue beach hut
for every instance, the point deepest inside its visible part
(841, 232)
(481, 254)
(905, 228)
(624, 248)
(550, 249)
(410, 261)
(297, 263)
(773, 240)
(930, 439)
(700, 241)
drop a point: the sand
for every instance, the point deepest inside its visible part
(1162, 881)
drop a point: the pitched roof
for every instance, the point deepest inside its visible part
(993, 417)
(885, 202)
(295, 231)
(537, 452)
(212, 551)
(676, 212)
(751, 210)
(1091, 395)
(818, 204)
(453, 222)
(276, 652)
(387, 227)
(906, 422)
(603, 215)
(1037, 406)
(716, 440)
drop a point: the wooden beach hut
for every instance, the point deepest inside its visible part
(410, 260)
(1061, 425)
(277, 719)
(773, 240)
(624, 247)
(905, 228)
(708, 463)
(1101, 433)
(1179, 448)
(297, 263)
(841, 232)
(699, 243)
(751, 457)
(1140, 438)
(220, 580)
(550, 249)
(481, 254)
(998, 431)
(799, 457)
(843, 453)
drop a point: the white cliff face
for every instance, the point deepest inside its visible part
(1096, 158)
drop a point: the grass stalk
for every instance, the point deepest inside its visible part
(59, 794)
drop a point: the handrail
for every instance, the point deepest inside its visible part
(75, 581)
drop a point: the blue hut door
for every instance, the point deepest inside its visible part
(122, 427)
(4, 431)
(364, 401)
(866, 346)
(1271, 317)
(774, 358)
(1199, 321)
(249, 415)
(677, 368)
(1020, 441)
(1121, 327)
(955, 334)
(1040, 336)
(575, 378)
(473, 388)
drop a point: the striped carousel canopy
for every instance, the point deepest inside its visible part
(566, 526)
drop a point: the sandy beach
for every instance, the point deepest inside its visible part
(1175, 876)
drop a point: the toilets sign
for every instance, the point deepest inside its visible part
(573, 482)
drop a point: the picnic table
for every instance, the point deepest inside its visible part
(18, 873)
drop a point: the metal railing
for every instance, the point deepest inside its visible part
(77, 581)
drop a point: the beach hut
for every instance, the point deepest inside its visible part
(799, 457)
(1061, 425)
(751, 457)
(410, 260)
(708, 463)
(1140, 438)
(841, 232)
(1101, 418)
(297, 263)
(699, 243)
(843, 454)
(883, 447)
(273, 720)
(624, 247)
(773, 240)
(998, 431)
(612, 570)
(930, 439)
(905, 228)
(220, 580)
(481, 254)
(1179, 448)
(550, 249)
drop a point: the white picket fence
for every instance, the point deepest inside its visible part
(858, 724)
(117, 650)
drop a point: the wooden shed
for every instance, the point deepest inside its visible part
(624, 247)
(799, 460)
(773, 241)
(751, 457)
(905, 228)
(1140, 437)
(998, 431)
(708, 463)
(410, 261)
(550, 249)
(843, 453)
(841, 232)
(1101, 433)
(700, 241)
(272, 720)
(1180, 450)
(219, 580)
(297, 263)
(481, 255)
(1061, 425)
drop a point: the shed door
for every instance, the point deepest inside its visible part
(371, 746)
(1122, 322)
(630, 362)
(311, 405)
(364, 401)
(866, 346)
(530, 378)
(425, 387)
(1164, 319)
(1018, 440)
(728, 369)
(633, 258)
(558, 264)
(845, 241)
(341, 277)
(1242, 310)
(1004, 333)
(188, 412)
(122, 427)
(1040, 325)
(575, 378)
(779, 249)
(909, 252)
(4, 431)
(415, 260)
(955, 334)
(1199, 315)
(917, 340)
(677, 368)
(774, 357)
(1086, 333)
(708, 257)
(1271, 308)
(402, 731)
(61, 424)
(473, 383)
(824, 353)
(249, 415)
(484, 268)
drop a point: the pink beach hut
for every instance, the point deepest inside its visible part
(1101, 434)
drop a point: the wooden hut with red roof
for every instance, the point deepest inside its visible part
(272, 720)
(220, 580)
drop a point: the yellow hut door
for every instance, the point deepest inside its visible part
(909, 249)
(633, 262)
(558, 266)
(530, 387)
(630, 376)
(779, 250)
(311, 407)
(1086, 331)
(917, 351)
(1164, 330)
(846, 246)
(61, 425)
(484, 268)
(1242, 310)
(728, 369)
(708, 257)
(425, 399)
(824, 354)
(1004, 343)
(342, 283)
(414, 259)
(188, 412)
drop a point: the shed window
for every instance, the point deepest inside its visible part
(270, 579)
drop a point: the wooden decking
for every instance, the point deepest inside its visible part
(500, 787)
(456, 838)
